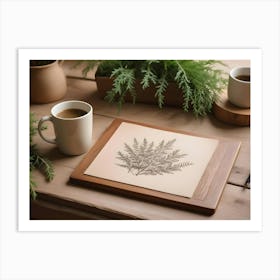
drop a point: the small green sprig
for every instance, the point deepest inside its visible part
(36, 160)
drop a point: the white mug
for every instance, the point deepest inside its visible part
(72, 121)
(239, 87)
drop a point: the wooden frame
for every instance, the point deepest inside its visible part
(206, 196)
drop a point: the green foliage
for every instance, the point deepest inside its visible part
(161, 88)
(148, 159)
(36, 160)
(124, 80)
(200, 80)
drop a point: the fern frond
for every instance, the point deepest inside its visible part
(205, 85)
(135, 145)
(161, 88)
(183, 82)
(42, 163)
(148, 78)
(129, 150)
(124, 81)
(143, 147)
(169, 144)
(32, 186)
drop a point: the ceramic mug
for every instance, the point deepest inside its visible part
(72, 121)
(239, 84)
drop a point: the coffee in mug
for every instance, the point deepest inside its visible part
(239, 85)
(245, 78)
(72, 121)
(71, 113)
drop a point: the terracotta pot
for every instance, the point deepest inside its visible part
(173, 95)
(47, 82)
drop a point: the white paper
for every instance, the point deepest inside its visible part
(155, 159)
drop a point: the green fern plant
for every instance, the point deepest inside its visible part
(36, 160)
(200, 81)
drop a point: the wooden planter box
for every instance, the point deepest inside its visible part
(173, 95)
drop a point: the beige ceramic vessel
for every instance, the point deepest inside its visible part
(239, 90)
(73, 136)
(47, 82)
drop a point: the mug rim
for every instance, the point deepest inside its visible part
(54, 114)
(45, 65)
(239, 68)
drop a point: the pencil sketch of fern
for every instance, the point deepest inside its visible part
(146, 158)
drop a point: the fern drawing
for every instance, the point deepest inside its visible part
(149, 159)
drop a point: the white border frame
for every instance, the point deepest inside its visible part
(255, 222)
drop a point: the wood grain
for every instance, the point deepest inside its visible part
(207, 195)
(225, 111)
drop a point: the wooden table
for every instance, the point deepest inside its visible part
(61, 200)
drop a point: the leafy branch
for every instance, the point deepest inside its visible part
(124, 80)
(36, 160)
(147, 159)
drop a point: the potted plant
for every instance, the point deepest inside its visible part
(47, 81)
(192, 84)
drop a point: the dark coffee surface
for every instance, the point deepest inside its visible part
(245, 78)
(71, 113)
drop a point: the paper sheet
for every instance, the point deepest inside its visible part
(155, 159)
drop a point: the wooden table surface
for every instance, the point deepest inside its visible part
(59, 199)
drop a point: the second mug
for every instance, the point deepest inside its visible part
(239, 85)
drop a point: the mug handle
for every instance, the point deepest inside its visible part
(42, 120)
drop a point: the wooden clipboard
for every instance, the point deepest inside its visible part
(207, 193)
